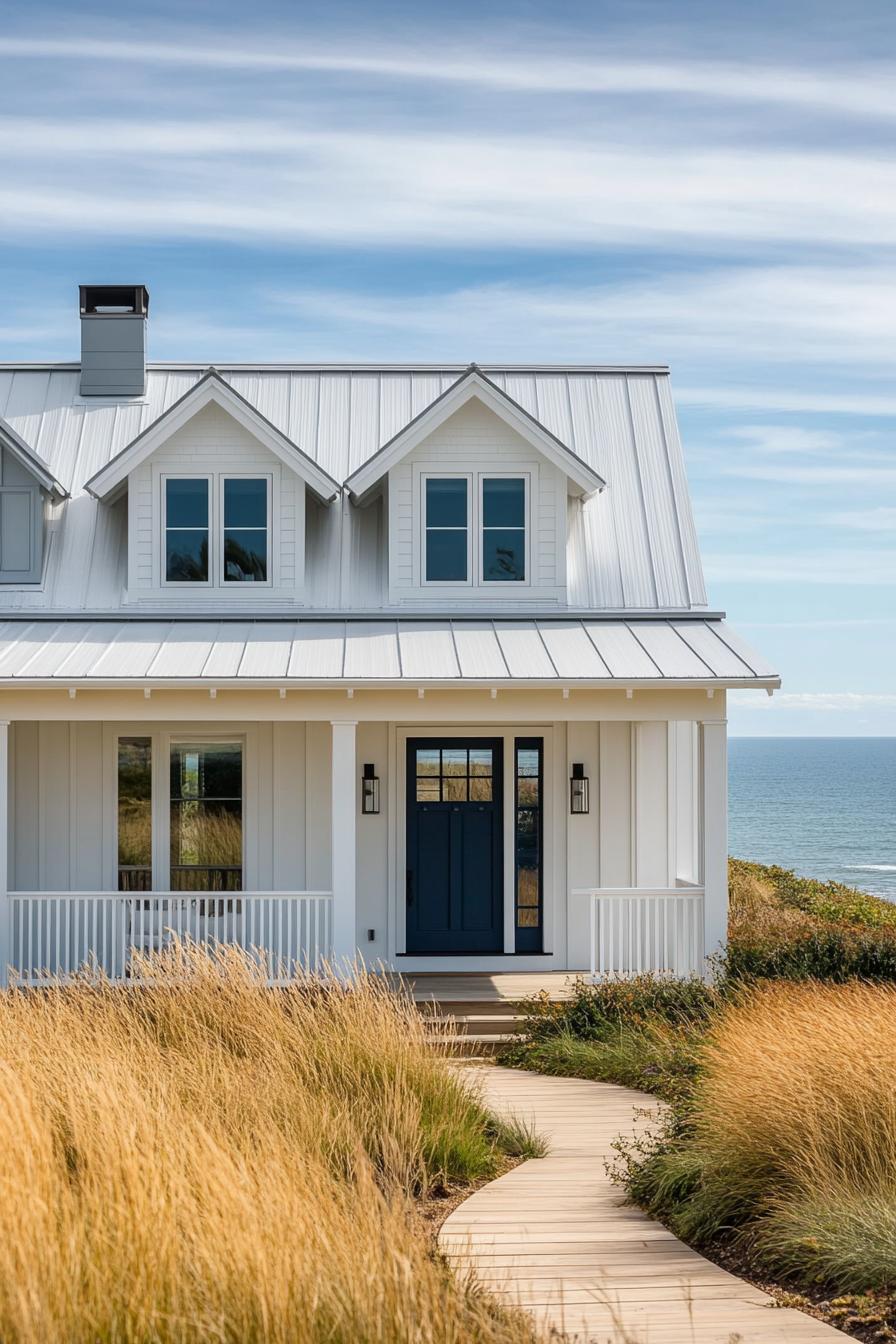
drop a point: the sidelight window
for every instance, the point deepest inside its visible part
(529, 843)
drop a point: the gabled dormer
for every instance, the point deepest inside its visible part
(26, 486)
(477, 493)
(216, 503)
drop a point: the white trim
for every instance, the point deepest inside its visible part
(473, 384)
(107, 483)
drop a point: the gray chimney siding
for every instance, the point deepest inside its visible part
(113, 345)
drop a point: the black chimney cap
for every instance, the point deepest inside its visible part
(114, 300)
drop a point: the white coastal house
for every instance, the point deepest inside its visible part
(412, 661)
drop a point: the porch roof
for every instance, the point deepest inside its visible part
(394, 651)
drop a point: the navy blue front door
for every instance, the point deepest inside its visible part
(455, 871)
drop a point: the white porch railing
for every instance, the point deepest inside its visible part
(638, 930)
(59, 932)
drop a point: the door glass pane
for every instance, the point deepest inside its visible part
(134, 814)
(446, 502)
(503, 554)
(480, 761)
(446, 555)
(454, 774)
(503, 502)
(206, 817)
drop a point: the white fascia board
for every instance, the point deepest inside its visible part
(110, 480)
(30, 460)
(474, 384)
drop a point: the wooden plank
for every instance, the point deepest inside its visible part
(555, 1236)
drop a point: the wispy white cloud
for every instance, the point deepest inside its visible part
(880, 518)
(786, 439)
(728, 395)
(866, 91)
(463, 189)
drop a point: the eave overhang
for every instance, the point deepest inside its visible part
(31, 461)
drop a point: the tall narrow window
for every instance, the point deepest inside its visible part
(447, 524)
(245, 530)
(134, 814)
(206, 816)
(528, 846)
(186, 530)
(503, 529)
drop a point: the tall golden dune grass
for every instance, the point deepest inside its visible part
(202, 1158)
(794, 1130)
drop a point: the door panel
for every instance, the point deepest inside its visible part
(454, 846)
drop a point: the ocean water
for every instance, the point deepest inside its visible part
(825, 806)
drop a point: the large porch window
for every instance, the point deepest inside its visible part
(206, 816)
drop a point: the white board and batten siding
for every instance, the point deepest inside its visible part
(641, 830)
(214, 444)
(477, 442)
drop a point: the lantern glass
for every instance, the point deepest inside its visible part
(578, 790)
(370, 792)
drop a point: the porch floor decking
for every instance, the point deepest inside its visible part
(555, 1236)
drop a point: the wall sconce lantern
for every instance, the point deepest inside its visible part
(370, 792)
(578, 790)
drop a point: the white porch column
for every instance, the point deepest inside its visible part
(5, 919)
(714, 833)
(343, 814)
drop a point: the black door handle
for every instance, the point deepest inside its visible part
(409, 888)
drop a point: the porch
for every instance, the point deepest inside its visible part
(105, 855)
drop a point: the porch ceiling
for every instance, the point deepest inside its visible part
(402, 652)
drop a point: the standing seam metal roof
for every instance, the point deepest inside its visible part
(631, 547)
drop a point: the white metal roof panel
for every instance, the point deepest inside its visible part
(571, 651)
(620, 650)
(709, 643)
(427, 650)
(371, 651)
(523, 649)
(669, 651)
(355, 651)
(318, 650)
(632, 546)
(478, 651)
(744, 651)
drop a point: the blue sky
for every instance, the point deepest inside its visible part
(706, 185)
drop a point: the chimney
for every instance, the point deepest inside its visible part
(113, 340)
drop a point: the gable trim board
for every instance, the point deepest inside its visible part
(31, 461)
(473, 383)
(109, 482)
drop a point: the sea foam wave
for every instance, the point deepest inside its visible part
(871, 867)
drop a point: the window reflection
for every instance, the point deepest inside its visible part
(206, 817)
(134, 814)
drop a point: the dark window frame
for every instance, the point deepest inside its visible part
(528, 938)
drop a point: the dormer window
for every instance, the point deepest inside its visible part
(492, 508)
(447, 558)
(186, 527)
(216, 529)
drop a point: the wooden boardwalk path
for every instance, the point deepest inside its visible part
(555, 1236)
